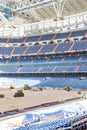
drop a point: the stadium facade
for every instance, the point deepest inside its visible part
(46, 39)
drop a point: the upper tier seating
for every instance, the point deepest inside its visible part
(30, 39)
(63, 47)
(16, 40)
(19, 50)
(5, 51)
(47, 48)
(80, 46)
(42, 49)
(3, 40)
(61, 35)
(33, 49)
(47, 37)
(78, 33)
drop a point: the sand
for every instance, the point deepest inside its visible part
(34, 98)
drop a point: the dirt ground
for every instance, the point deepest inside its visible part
(33, 98)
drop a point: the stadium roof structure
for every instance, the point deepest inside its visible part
(28, 17)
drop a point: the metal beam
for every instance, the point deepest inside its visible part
(4, 20)
(20, 4)
(34, 5)
(25, 4)
(58, 7)
(68, 22)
